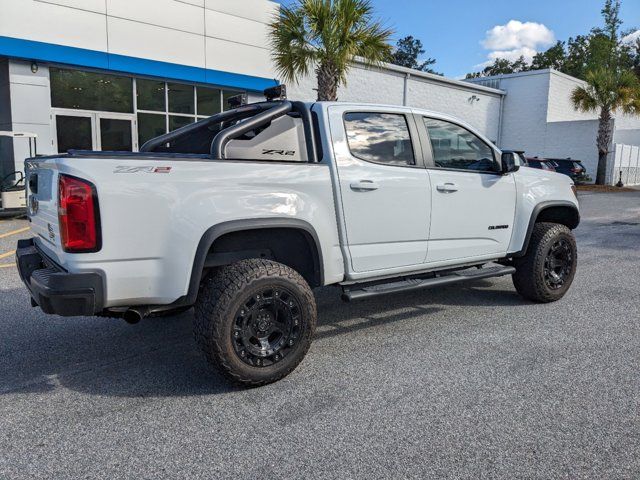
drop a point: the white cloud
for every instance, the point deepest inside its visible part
(632, 38)
(517, 39)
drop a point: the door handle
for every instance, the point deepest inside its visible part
(447, 187)
(364, 185)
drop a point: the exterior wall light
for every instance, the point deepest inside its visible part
(34, 67)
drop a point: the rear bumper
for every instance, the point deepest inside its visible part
(54, 290)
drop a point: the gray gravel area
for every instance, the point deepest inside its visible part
(458, 382)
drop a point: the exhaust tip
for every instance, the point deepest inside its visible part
(132, 316)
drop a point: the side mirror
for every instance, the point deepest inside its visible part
(509, 163)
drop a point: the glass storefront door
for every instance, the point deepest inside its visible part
(75, 132)
(116, 133)
(95, 131)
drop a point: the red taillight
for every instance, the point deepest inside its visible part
(78, 215)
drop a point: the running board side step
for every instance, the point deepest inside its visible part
(420, 283)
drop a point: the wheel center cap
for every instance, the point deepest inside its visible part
(263, 322)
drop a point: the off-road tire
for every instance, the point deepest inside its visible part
(529, 279)
(223, 294)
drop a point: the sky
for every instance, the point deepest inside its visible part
(463, 35)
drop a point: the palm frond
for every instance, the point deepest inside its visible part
(292, 53)
(583, 99)
(609, 90)
(330, 32)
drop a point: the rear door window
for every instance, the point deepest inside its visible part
(380, 138)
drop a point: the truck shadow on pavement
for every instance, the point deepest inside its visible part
(158, 357)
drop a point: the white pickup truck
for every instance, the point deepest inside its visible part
(242, 214)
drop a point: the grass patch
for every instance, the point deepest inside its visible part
(603, 188)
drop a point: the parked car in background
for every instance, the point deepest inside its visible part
(541, 164)
(572, 168)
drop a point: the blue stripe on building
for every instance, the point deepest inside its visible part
(48, 52)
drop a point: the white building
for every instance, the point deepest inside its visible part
(538, 117)
(111, 74)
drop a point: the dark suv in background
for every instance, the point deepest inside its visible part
(541, 164)
(571, 168)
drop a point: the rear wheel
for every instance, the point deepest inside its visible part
(547, 270)
(254, 320)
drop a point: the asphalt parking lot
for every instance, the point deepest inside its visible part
(459, 382)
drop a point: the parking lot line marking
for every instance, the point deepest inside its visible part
(7, 265)
(14, 232)
(8, 254)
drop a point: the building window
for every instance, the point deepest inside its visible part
(150, 125)
(179, 121)
(150, 95)
(159, 107)
(80, 90)
(181, 99)
(209, 100)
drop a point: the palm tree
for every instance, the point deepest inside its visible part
(327, 35)
(607, 91)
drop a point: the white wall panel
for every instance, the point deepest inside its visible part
(238, 58)
(97, 6)
(237, 29)
(257, 10)
(575, 139)
(156, 43)
(560, 104)
(45, 22)
(165, 13)
(21, 145)
(197, 3)
(524, 119)
(372, 86)
(482, 113)
(30, 103)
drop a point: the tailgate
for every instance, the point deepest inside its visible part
(42, 203)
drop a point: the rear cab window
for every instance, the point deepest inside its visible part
(380, 138)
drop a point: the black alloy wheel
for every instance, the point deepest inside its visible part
(558, 264)
(267, 327)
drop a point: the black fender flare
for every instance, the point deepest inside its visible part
(537, 210)
(216, 231)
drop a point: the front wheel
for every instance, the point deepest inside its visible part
(546, 272)
(254, 320)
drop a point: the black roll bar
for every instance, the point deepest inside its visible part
(220, 141)
(228, 116)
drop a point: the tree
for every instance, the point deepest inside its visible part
(611, 86)
(326, 35)
(635, 57)
(607, 91)
(555, 57)
(407, 52)
(501, 66)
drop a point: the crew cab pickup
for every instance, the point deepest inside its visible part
(242, 214)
